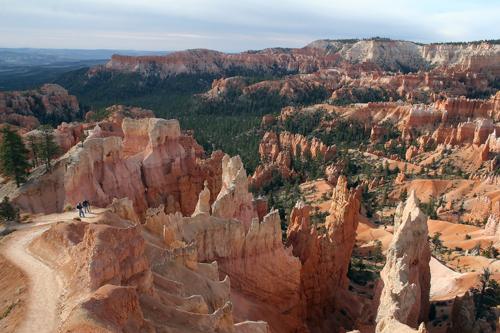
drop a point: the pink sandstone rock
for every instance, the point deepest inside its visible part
(150, 166)
(324, 267)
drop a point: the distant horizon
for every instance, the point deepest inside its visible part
(244, 50)
(236, 26)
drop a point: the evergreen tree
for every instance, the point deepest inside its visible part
(34, 147)
(297, 159)
(48, 148)
(8, 213)
(378, 255)
(13, 156)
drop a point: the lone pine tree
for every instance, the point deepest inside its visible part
(47, 147)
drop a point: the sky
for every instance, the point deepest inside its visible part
(237, 25)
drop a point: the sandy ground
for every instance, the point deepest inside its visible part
(13, 296)
(246, 308)
(45, 285)
(314, 193)
(446, 283)
(41, 312)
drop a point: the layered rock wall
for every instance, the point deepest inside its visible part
(154, 164)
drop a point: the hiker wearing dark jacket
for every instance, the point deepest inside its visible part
(86, 206)
(80, 210)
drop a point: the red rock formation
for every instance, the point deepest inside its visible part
(27, 108)
(268, 120)
(400, 178)
(377, 133)
(423, 116)
(460, 109)
(110, 308)
(254, 257)
(222, 87)
(463, 315)
(492, 227)
(324, 266)
(277, 153)
(255, 260)
(112, 254)
(154, 164)
(112, 287)
(234, 200)
(372, 54)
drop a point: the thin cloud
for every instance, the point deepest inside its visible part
(230, 25)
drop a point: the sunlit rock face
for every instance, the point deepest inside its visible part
(153, 164)
(404, 301)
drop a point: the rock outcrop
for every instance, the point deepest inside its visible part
(234, 200)
(324, 266)
(278, 151)
(255, 260)
(50, 103)
(203, 205)
(303, 281)
(118, 282)
(322, 54)
(492, 227)
(463, 315)
(404, 301)
(153, 164)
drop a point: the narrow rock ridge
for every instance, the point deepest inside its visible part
(325, 253)
(404, 302)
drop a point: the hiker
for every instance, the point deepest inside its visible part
(80, 210)
(86, 206)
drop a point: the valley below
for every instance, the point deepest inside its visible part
(345, 186)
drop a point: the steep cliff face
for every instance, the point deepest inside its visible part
(50, 103)
(302, 281)
(250, 252)
(201, 61)
(383, 54)
(325, 254)
(478, 57)
(473, 132)
(154, 164)
(404, 301)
